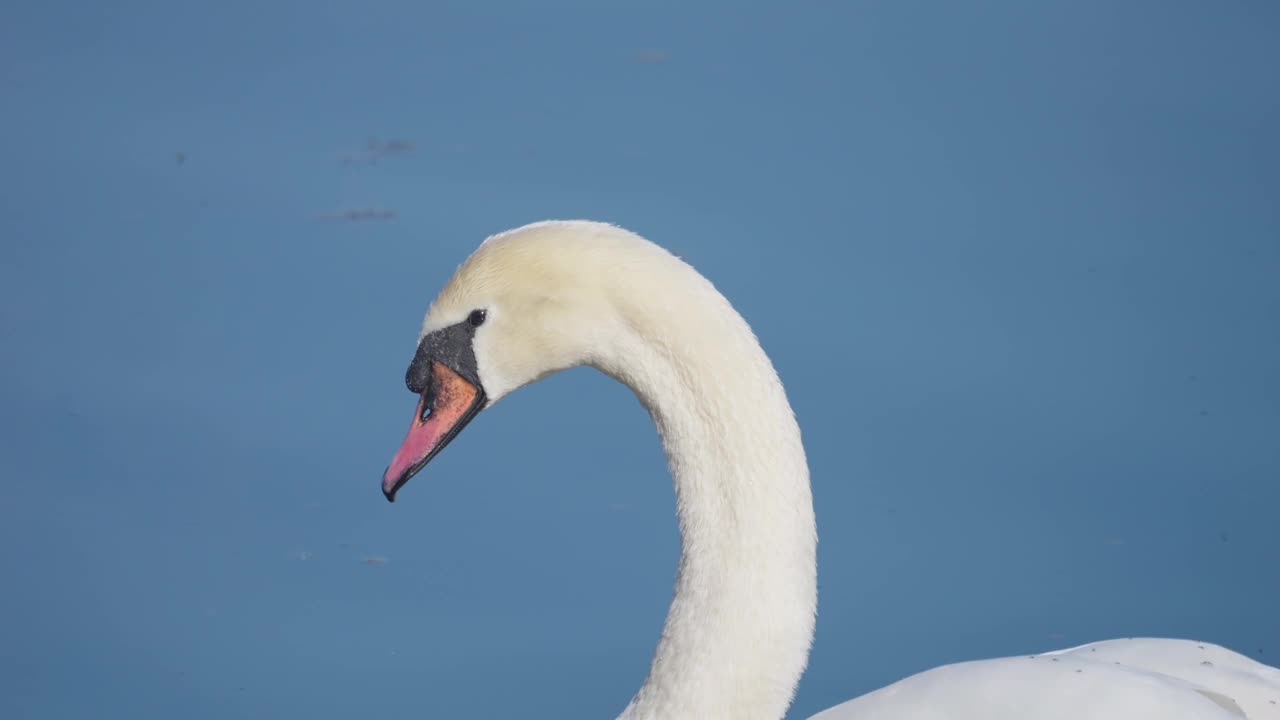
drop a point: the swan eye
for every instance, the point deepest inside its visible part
(476, 318)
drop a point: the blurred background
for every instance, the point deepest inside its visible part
(1017, 263)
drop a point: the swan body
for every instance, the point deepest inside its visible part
(1111, 680)
(553, 295)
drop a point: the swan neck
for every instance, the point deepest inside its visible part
(737, 635)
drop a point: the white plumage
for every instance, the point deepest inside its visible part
(736, 639)
(1130, 678)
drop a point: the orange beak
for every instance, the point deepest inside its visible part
(447, 404)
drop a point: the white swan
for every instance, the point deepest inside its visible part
(553, 295)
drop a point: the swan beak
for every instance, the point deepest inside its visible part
(448, 402)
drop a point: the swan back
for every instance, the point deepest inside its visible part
(1115, 679)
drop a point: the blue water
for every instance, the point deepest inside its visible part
(1017, 263)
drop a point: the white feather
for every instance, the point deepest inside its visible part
(737, 636)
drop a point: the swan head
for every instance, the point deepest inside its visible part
(527, 303)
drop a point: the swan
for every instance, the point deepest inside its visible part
(557, 294)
